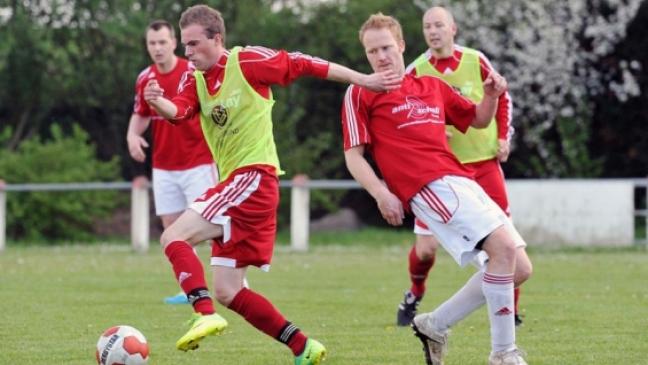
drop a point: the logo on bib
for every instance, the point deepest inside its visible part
(219, 115)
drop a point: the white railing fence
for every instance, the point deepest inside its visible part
(542, 209)
(139, 204)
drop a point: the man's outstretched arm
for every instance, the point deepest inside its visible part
(379, 81)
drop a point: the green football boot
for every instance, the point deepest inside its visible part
(201, 327)
(314, 353)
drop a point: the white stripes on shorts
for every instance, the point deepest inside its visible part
(214, 208)
(459, 214)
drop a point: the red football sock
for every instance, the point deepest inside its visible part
(418, 271)
(190, 275)
(516, 297)
(260, 313)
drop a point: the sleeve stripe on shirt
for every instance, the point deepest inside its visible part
(509, 117)
(142, 79)
(352, 124)
(184, 80)
(507, 97)
(144, 74)
(263, 51)
(268, 53)
(312, 59)
(486, 61)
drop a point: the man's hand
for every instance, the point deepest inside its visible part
(154, 96)
(390, 207)
(136, 146)
(504, 150)
(153, 91)
(494, 85)
(381, 81)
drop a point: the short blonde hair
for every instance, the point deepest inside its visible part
(379, 21)
(209, 18)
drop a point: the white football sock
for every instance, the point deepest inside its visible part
(465, 301)
(498, 290)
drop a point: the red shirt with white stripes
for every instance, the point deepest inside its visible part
(404, 130)
(503, 115)
(178, 147)
(262, 68)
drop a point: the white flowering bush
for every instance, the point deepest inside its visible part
(549, 51)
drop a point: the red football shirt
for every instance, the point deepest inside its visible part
(503, 115)
(262, 68)
(175, 147)
(404, 130)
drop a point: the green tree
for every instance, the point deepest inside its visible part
(76, 62)
(53, 216)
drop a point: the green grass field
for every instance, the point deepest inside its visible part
(581, 306)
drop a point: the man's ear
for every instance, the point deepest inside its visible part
(218, 38)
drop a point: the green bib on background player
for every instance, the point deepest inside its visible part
(477, 144)
(236, 121)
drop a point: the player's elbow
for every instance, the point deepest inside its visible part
(353, 154)
(480, 122)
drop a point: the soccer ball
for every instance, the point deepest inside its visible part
(122, 345)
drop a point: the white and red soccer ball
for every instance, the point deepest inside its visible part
(122, 345)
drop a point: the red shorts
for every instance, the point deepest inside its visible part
(490, 177)
(245, 205)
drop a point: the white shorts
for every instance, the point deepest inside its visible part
(459, 214)
(479, 260)
(174, 190)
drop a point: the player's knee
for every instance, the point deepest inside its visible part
(523, 272)
(523, 266)
(425, 247)
(426, 253)
(224, 295)
(165, 238)
(501, 249)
